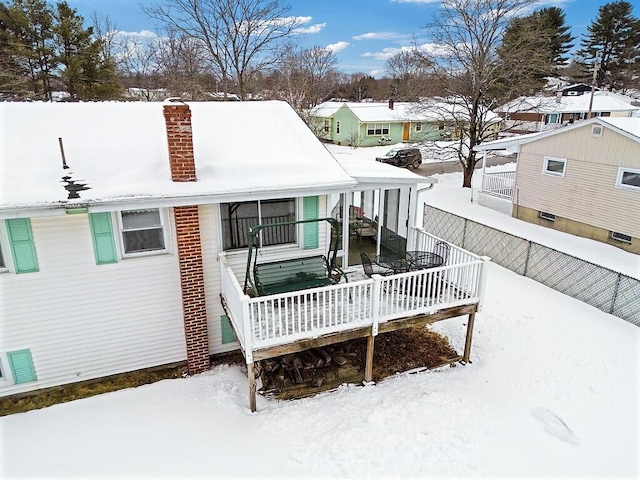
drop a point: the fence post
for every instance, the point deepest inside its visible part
(464, 234)
(483, 280)
(615, 294)
(526, 259)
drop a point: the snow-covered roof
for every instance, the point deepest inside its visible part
(120, 150)
(602, 102)
(627, 126)
(431, 110)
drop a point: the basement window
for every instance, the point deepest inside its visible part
(621, 237)
(547, 216)
(142, 231)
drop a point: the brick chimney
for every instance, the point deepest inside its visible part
(391, 104)
(177, 118)
(187, 223)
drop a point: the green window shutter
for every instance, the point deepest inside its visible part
(104, 245)
(309, 211)
(22, 246)
(22, 366)
(228, 335)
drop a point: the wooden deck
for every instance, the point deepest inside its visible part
(275, 325)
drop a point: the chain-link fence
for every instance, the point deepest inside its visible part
(605, 289)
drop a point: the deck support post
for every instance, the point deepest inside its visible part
(368, 369)
(252, 386)
(467, 343)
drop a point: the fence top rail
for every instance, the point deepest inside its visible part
(422, 231)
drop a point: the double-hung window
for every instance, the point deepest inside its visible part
(628, 179)
(554, 166)
(418, 126)
(142, 231)
(238, 218)
(377, 129)
(326, 126)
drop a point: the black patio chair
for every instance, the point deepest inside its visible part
(442, 249)
(369, 269)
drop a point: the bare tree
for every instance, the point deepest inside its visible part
(305, 78)
(183, 67)
(466, 35)
(241, 37)
(409, 71)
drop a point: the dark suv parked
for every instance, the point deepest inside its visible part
(402, 157)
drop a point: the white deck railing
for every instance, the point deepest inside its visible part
(273, 320)
(499, 184)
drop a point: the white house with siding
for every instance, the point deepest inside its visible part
(583, 179)
(116, 218)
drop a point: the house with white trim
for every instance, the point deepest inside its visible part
(543, 113)
(125, 231)
(366, 124)
(582, 179)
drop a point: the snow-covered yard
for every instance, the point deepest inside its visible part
(553, 391)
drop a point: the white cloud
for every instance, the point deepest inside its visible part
(381, 36)
(337, 47)
(310, 29)
(388, 52)
(142, 35)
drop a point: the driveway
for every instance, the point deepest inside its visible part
(433, 168)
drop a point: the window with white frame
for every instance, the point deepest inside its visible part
(378, 129)
(418, 126)
(327, 125)
(239, 217)
(142, 231)
(547, 216)
(628, 179)
(554, 166)
(553, 118)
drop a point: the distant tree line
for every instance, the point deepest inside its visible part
(481, 54)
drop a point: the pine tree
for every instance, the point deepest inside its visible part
(535, 46)
(78, 54)
(613, 41)
(28, 43)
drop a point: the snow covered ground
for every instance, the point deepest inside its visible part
(553, 391)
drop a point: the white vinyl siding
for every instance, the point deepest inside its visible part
(587, 193)
(87, 320)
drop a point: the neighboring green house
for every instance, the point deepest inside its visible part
(370, 124)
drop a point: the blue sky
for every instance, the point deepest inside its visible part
(362, 33)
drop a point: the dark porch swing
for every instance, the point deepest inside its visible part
(293, 274)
